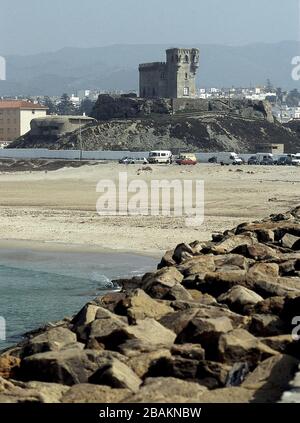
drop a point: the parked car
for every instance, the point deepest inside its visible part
(295, 159)
(284, 161)
(213, 159)
(253, 160)
(133, 160)
(262, 159)
(268, 161)
(160, 156)
(186, 159)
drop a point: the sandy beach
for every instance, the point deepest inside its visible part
(58, 209)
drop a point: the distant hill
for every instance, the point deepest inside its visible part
(116, 67)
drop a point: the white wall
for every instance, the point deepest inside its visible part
(43, 153)
(26, 117)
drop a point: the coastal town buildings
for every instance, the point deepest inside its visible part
(15, 118)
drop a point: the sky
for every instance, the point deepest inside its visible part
(33, 26)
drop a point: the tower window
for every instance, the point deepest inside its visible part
(186, 75)
(186, 58)
(186, 91)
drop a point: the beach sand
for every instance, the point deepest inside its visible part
(58, 209)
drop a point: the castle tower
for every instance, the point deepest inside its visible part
(174, 79)
(182, 66)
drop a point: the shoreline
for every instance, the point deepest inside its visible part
(55, 246)
(212, 325)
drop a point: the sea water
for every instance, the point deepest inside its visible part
(37, 287)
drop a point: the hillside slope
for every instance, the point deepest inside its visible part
(208, 132)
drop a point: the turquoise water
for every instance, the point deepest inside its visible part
(39, 287)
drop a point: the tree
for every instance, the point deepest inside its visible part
(66, 107)
(86, 107)
(279, 94)
(293, 98)
(269, 87)
(52, 109)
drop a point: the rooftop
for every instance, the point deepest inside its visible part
(63, 117)
(20, 104)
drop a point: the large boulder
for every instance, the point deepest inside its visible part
(205, 332)
(198, 265)
(217, 283)
(31, 392)
(116, 375)
(55, 339)
(67, 367)
(190, 351)
(232, 243)
(102, 331)
(174, 366)
(233, 395)
(291, 241)
(284, 344)
(239, 345)
(271, 378)
(168, 390)
(88, 393)
(9, 366)
(141, 363)
(238, 297)
(148, 331)
(137, 305)
(266, 325)
(158, 284)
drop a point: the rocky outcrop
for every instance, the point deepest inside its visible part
(129, 106)
(214, 323)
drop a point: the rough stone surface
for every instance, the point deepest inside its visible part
(238, 297)
(53, 340)
(168, 390)
(137, 305)
(116, 375)
(240, 345)
(216, 315)
(88, 393)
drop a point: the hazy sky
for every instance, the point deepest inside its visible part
(30, 26)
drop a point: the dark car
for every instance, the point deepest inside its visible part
(268, 161)
(213, 160)
(253, 161)
(284, 161)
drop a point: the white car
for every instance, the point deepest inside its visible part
(133, 160)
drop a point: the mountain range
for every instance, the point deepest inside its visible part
(116, 67)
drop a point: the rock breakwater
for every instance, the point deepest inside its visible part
(213, 324)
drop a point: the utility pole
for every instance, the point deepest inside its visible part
(80, 140)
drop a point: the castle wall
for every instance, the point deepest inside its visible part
(153, 80)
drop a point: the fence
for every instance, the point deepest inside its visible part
(43, 153)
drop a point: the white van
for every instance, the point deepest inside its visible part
(160, 156)
(229, 158)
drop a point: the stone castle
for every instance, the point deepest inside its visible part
(175, 78)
